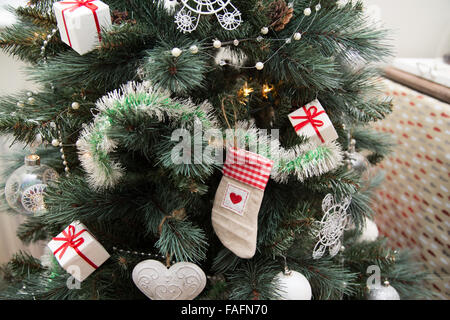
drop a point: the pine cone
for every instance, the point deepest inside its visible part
(279, 14)
(119, 17)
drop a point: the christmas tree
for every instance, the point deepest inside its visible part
(143, 123)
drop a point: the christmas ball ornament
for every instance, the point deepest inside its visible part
(176, 52)
(24, 189)
(355, 160)
(370, 231)
(293, 286)
(259, 66)
(182, 281)
(382, 292)
(358, 162)
(351, 61)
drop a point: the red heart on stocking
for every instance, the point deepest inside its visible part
(235, 198)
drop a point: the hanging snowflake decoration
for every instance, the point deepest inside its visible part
(185, 21)
(331, 227)
(33, 198)
(227, 14)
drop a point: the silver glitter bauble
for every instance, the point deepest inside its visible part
(24, 189)
(358, 162)
(355, 160)
(382, 292)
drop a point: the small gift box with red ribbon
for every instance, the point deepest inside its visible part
(77, 251)
(80, 23)
(311, 121)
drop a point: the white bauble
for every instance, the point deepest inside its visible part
(293, 286)
(370, 231)
(383, 292)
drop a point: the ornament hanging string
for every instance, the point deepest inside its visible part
(72, 240)
(176, 214)
(226, 118)
(78, 4)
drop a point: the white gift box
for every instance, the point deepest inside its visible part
(77, 251)
(79, 22)
(311, 121)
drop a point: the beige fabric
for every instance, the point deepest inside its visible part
(413, 203)
(237, 232)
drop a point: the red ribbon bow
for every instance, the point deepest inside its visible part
(78, 4)
(70, 240)
(310, 114)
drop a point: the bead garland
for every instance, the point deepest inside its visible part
(297, 35)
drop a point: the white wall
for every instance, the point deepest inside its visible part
(421, 28)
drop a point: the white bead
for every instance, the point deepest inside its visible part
(55, 142)
(65, 162)
(264, 30)
(75, 105)
(61, 150)
(29, 93)
(259, 65)
(318, 7)
(176, 52)
(297, 36)
(193, 49)
(20, 104)
(52, 124)
(45, 43)
(217, 44)
(288, 40)
(78, 143)
(66, 169)
(54, 31)
(31, 100)
(222, 63)
(63, 157)
(307, 11)
(236, 42)
(49, 36)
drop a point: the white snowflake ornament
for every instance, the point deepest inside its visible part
(332, 226)
(227, 14)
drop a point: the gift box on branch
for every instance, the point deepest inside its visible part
(77, 251)
(311, 121)
(80, 23)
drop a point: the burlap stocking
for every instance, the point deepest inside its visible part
(238, 200)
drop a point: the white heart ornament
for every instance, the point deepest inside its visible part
(182, 281)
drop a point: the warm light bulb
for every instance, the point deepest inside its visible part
(266, 89)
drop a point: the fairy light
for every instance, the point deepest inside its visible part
(266, 90)
(243, 93)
